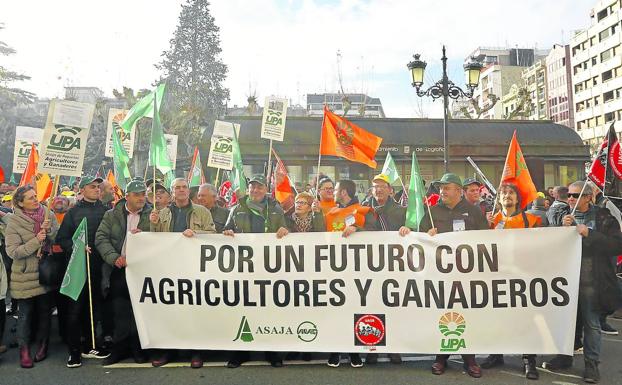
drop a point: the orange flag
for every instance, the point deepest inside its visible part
(282, 187)
(118, 194)
(515, 171)
(342, 138)
(41, 182)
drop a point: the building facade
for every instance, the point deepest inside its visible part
(559, 86)
(360, 105)
(535, 80)
(596, 59)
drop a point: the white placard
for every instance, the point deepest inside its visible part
(171, 148)
(273, 120)
(115, 116)
(73, 114)
(24, 138)
(221, 147)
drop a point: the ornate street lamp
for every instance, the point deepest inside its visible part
(446, 89)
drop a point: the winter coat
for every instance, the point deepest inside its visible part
(3, 283)
(112, 230)
(444, 217)
(317, 223)
(556, 213)
(199, 219)
(241, 217)
(220, 216)
(22, 245)
(389, 217)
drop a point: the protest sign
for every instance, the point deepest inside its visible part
(273, 120)
(221, 147)
(24, 138)
(115, 117)
(171, 148)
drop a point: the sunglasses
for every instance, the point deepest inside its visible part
(301, 202)
(576, 196)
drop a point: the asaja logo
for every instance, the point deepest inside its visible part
(307, 331)
(452, 324)
(369, 330)
(244, 331)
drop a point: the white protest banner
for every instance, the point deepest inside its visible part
(64, 137)
(487, 291)
(171, 148)
(221, 148)
(115, 116)
(273, 120)
(24, 138)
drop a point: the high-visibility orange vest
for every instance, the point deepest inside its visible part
(326, 206)
(336, 218)
(517, 221)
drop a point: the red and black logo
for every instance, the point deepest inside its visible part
(369, 330)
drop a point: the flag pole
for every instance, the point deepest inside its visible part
(49, 204)
(88, 271)
(579, 198)
(269, 171)
(319, 157)
(217, 175)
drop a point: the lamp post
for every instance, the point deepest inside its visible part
(445, 89)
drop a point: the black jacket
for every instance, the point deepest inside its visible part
(389, 217)
(317, 223)
(556, 213)
(93, 212)
(444, 217)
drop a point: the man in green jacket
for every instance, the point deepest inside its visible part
(129, 214)
(181, 216)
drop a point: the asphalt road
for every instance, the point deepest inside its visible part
(415, 370)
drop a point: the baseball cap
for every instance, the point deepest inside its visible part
(449, 178)
(88, 179)
(258, 178)
(469, 181)
(159, 185)
(136, 185)
(382, 177)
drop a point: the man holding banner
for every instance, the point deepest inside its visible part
(452, 213)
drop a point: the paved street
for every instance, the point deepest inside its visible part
(414, 370)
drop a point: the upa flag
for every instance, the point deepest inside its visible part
(342, 138)
(389, 169)
(158, 152)
(606, 169)
(144, 108)
(282, 187)
(75, 275)
(12, 181)
(120, 160)
(515, 172)
(416, 194)
(41, 182)
(116, 190)
(196, 177)
(238, 179)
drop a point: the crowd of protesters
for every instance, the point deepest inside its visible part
(30, 232)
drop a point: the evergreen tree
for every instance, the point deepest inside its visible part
(194, 75)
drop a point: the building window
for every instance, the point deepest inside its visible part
(604, 56)
(607, 75)
(602, 14)
(604, 34)
(609, 116)
(594, 61)
(608, 96)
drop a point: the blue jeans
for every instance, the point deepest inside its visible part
(591, 323)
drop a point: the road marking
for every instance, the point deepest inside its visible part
(561, 374)
(611, 339)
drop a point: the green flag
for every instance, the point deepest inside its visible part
(195, 177)
(238, 180)
(120, 160)
(158, 155)
(416, 208)
(389, 169)
(75, 276)
(72, 180)
(144, 108)
(12, 180)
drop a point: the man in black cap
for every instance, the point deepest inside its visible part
(79, 321)
(452, 213)
(162, 197)
(471, 187)
(129, 214)
(256, 213)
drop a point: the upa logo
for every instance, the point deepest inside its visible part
(65, 138)
(369, 330)
(274, 118)
(452, 325)
(223, 145)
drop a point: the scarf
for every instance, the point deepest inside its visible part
(303, 225)
(38, 216)
(259, 208)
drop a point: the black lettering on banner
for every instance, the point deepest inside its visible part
(148, 291)
(556, 284)
(246, 294)
(262, 290)
(301, 289)
(206, 288)
(438, 294)
(457, 295)
(297, 259)
(517, 289)
(266, 259)
(184, 290)
(395, 253)
(236, 292)
(492, 259)
(341, 297)
(410, 258)
(460, 261)
(319, 257)
(169, 298)
(439, 259)
(230, 258)
(411, 293)
(197, 289)
(333, 258)
(496, 293)
(390, 299)
(363, 290)
(317, 292)
(245, 256)
(357, 255)
(475, 304)
(370, 258)
(543, 290)
(208, 253)
(275, 293)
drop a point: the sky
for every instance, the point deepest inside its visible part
(286, 48)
